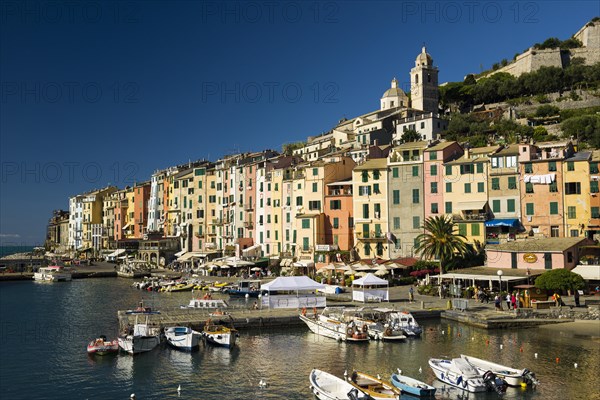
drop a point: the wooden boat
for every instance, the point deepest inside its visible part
(326, 386)
(219, 335)
(180, 287)
(182, 337)
(512, 376)
(143, 338)
(101, 346)
(374, 387)
(53, 273)
(250, 288)
(412, 386)
(330, 324)
(458, 372)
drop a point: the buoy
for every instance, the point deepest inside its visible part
(399, 371)
(179, 389)
(262, 383)
(443, 332)
(521, 349)
(523, 385)
(501, 346)
(378, 376)
(535, 355)
(575, 365)
(420, 370)
(557, 360)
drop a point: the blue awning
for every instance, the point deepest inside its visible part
(494, 223)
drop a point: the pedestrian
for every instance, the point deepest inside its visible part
(498, 303)
(508, 300)
(576, 295)
(513, 301)
(411, 295)
(557, 300)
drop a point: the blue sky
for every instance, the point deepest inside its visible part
(94, 93)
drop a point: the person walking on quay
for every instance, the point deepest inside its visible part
(498, 303)
(576, 296)
(507, 300)
(411, 295)
(513, 301)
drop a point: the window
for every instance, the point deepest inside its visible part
(376, 174)
(365, 211)
(479, 168)
(448, 187)
(528, 168)
(553, 208)
(396, 197)
(336, 223)
(554, 232)
(529, 209)
(434, 208)
(287, 218)
(553, 188)
(314, 187)
(496, 206)
(594, 186)
(448, 207)
(595, 212)
(415, 170)
(448, 169)
(364, 190)
(365, 232)
(305, 223)
(510, 205)
(305, 245)
(433, 155)
(466, 169)
(552, 166)
(299, 201)
(512, 182)
(529, 187)
(395, 172)
(376, 188)
(367, 249)
(433, 170)
(315, 171)
(593, 168)
(415, 196)
(434, 187)
(314, 205)
(416, 222)
(572, 188)
(335, 204)
(396, 223)
(467, 188)
(480, 187)
(377, 209)
(571, 212)
(495, 183)
(462, 229)
(365, 176)
(475, 229)
(377, 230)
(570, 166)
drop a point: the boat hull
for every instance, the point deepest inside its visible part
(329, 387)
(512, 376)
(138, 344)
(412, 386)
(183, 338)
(220, 336)
(331, 330)
(444, 371)
(101, 348)
(374, 387)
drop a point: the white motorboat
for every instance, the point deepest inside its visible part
(219, 335)
(53, 273)
(331, 325)
(458, 372)
(375, 387)
(326, 386)
(182, 337)
(512, 376)
(376, 320)
(406, 322)
(143, 338)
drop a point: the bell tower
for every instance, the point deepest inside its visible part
(424, 84)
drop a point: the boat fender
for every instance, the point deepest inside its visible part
(350, 331)
(365, 328)
(459, 380)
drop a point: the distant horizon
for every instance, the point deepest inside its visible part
(107, 98)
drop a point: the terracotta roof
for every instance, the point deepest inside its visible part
(376, 163)
(548, 245)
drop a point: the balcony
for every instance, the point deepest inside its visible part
(248, 224)
(248, 207)
(470, 217)
(217, 221)
(372, 236)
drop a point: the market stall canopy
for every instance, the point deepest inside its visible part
(588, 272)
(116, 253)
(180, 253)
(292, 283)
(370, 279)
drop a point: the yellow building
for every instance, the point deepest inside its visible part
(577, 208)
(466, 192)
(92, 220)
(370, 197)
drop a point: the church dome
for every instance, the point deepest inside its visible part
(394, 91)
(423, 58)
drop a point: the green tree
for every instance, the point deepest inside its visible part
(547, 110)
(585, 128)
(410, 135)
(440, 242)
(288, 148)
(559, 279)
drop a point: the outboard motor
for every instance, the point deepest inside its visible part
(494, 383)
(353, 395)
(530, 377)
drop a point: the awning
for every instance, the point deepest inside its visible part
(255, 248)
(588, 272)
(116, 253)
(125, 227)
(189, 255)
(471, 205)
(513, 223)
(180, 253)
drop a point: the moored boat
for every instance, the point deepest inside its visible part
(374, 387)
(330, 324)
(53, 273)
(101, 346)
(326, 386)
(143, 338)
(406, 322)
(458, 372)
(512, 376)
(206, 302)
(412, 386)
(219, 335)
(250, 288)
(182, 337)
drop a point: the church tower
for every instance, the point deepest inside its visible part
(424, 84)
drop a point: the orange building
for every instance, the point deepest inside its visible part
(339, 221)
(141, 195)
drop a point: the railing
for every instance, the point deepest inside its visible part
(470, 217)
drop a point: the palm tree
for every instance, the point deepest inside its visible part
(440, 242)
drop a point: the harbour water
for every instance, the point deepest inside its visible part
(45, 329)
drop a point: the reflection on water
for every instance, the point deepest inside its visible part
(45, 329)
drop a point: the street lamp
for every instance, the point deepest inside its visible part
(500, 278)
(528, 275)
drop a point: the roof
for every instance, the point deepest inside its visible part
(580, 156)
(394, 92)
(511, 150)
(375, 163)
(543, 145)
(484, 150)
(370, 279)
(547, 245)
(440, 146)
(292, 283)
(588, 272)
(412, 145)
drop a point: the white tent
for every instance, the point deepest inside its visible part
(372, 289)
(293, 292)
(588, 272)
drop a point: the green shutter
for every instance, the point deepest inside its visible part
(448, 206)
(448, 187)
(433, 170)
(448, 169)
(462, 229)
(553, 208)
(529, 209)
(475, 229)
(479, 168)
(496, 206)
(395, 172)
(480, 187)
(510, 205)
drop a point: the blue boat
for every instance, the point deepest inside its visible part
(250, 288)
(412, 386)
